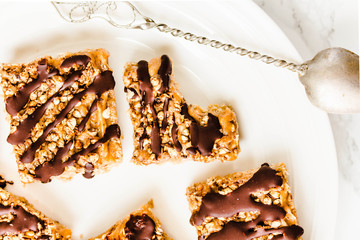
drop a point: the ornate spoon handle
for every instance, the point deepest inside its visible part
(331, 78)
(107, 11)
(299, 68)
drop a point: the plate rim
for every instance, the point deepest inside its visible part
(298, 56)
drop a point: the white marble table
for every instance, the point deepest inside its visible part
(313, 25)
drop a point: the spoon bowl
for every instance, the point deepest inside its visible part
(331, 81)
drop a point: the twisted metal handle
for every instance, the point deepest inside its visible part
(299, 68)
(107, 11)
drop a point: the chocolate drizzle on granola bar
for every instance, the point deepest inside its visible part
(135, 94)
(15, 103)
(244, 231)
(142, 139)
(3, 182)
(165, 120)
(56, 166)
(92, 109)
(174, 136)
(102, 83)
(22, 220)
(147, 98)
(140, 227)
(89, 170)
(112, 131)
(164, 73)
(240, 200)
(24, 128)
(156, 139)
(202, 137)
(45, 237)
(146, 88)
(79, 60)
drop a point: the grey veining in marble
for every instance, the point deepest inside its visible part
(313, 25)
(347, 128)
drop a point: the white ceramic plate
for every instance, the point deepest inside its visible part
(277, 122)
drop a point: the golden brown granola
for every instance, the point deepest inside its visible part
(166, 128)
(61, 111)
(20, 220)
(265, 191)
(141, 223)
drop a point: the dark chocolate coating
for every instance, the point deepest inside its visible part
(23, 221)
(140, 227)
(240, 200)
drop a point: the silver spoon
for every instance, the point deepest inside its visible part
(331, 78)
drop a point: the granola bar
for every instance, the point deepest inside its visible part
(140, 224)
(166, 127)
(20, 220)
(256, 204)
(62, 114)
